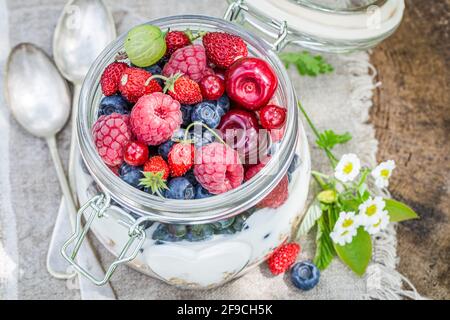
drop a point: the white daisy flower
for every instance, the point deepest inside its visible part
(345, 228)
(370, 210)
(382, 173)
(348, 168)
(380, 224)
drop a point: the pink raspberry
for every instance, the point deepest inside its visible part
(218, 168)
(190, 60)
(111, 134)
(155, 117)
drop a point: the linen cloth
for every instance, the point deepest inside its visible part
(30, 194)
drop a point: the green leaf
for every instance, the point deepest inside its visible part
(324, 246)
(306, 64)
(328, 139)
(314, 212)
(357, 254)
(399, 211)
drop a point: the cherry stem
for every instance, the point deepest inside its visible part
(206, 127)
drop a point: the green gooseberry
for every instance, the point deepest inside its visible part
(145, 45)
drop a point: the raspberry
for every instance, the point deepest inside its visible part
(190, 60)
(223, 49)
(111, 134)
(176, 40)
(218, 168)
(283, 258)
(110, 79)
(134, 84)
(155, 118)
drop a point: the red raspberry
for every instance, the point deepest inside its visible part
(277, 196)
(155, 117)
(223, 49)
(111, 134)
(181, 159)
(218, 168)
(157, 164)
(185, 90)
(212, 87)
(134, 84)
(176, 40)
(283, 258)
(190, 60)
(136, 153)
(111, 76)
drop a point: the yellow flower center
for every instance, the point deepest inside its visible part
(377, 224)
(371, 210)
(384, 173)
(348, 168)
(347, 223)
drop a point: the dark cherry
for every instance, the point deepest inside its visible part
(220, 73)
(136, 153)
(212, 87)
(272, 116)
(240, 130)
(251, 82)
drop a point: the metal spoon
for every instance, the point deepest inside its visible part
(39, 99)
(84, 29)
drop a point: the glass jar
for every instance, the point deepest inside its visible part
(189, 243)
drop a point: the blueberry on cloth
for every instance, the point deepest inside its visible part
(207, 113)
(180, 188)
(113, 104)
(305, 275)
(131, 174)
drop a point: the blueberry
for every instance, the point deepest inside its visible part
(180, 188)
(305, 275)
(201, 193)
(178, 135)
(239, 222)
(186, 111)
(228, 231)
(207, 113)
(164, 149)
(162, 233)
(163, 61)
(113, 104)
(155, 69)
(191, 177)
(223, 104)
(202, 138)
(177, 230)
(295, 163)
(200, 233)
(131, 175)
(223, 224)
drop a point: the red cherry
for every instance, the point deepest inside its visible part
(272, 116)
(136, 153)
(251, 82)
(220, 73)
(212, 87)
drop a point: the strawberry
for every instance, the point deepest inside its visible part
(135, 83)
(156, 172)
(184, 89)
(176, 40)
(223, 49)
(283, 258)
(110, 79)
(181, 159)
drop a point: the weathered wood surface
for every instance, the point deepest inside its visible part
(411, 115)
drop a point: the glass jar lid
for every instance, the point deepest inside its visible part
(324, 25)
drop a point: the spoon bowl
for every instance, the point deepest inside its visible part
(38, 96)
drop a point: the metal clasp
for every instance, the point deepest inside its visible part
(99, 204)
(281, 27)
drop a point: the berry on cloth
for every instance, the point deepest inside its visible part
(218, 168)
(111, 76)
(305, 275)
(136, 153)
(180, 188)
(223, 49)
(283, 258)
(181, 158)
(145, 45)
(113, 104)
(131, 174)
(135, 83)
(184, 89)
(212, 87)
(155, 117)
(190, 60)
(111, 134)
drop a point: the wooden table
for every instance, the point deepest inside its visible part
(411, 115)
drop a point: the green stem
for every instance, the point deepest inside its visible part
(318, 177)
(206, 127)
